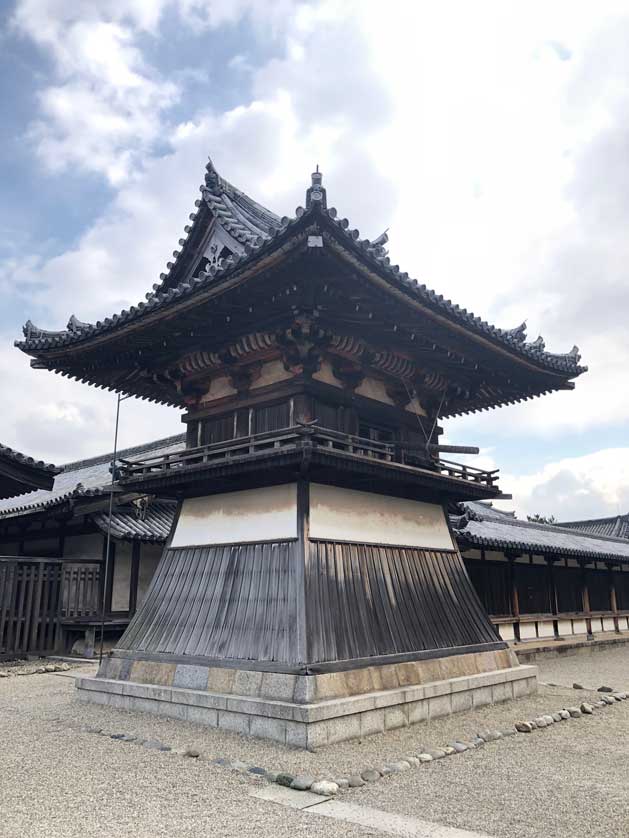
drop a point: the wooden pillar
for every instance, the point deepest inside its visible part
(612, 596)
(552, 592)
(585, 594)
(107, 583)
(515, 602)
(135, 577)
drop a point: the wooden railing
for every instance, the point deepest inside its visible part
(293, 438)
(29, 605)
(81, 592)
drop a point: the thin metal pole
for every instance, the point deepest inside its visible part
(108, 547)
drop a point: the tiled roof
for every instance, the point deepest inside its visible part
(258, 231)
(617, 526)
(20, 474)
(484, 526)
(85, 478)
(127, 524)
(11, 455)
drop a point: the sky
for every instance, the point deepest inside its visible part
(490, 138)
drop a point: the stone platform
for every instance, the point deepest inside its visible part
(311, 711)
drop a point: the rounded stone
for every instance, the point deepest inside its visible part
(302, 782)
(548, 719)
(510, 731)
(370, 775)
(398, 767)
(605, 689)
(575, 713)
(424, 758)
(459, 747)
(540, 721)
(342, 783)
(449, 750)
(356, 781)
(587, 708)
(192, 752)
(412, 761)
(326, 788)
(437, 753)
(556, 717)
(564, 714)
(576, 686)
(524, 727)
(284, 779)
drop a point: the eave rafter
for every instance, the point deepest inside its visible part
(314, 263)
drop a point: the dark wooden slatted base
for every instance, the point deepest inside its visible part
(362, 604)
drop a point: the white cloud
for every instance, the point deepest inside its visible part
(595, 485)
(60, 420)
(494, 150)
(104, 111)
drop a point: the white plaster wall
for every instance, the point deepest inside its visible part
(265, 514)
(527, 631)
(506, 631)
(150, 555)
(219, 388)
(326, 375)
(415, 406)
(122, 577)
(271, 373)
(374, 388)
(545, 628)
(338, 514)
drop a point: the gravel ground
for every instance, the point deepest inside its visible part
(566, 781)
(60, 780)
(609, 667)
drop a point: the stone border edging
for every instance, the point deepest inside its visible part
(40, 670)
(329, 786)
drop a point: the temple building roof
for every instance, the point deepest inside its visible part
(82, 480)
(481, 525)
(617, 526)
(130, 523)
(233, 239)
(20, 474)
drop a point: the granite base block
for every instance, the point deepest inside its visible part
(317, 723)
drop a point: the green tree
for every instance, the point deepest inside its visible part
(542, 519)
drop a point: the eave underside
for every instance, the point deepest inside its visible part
(342, 299)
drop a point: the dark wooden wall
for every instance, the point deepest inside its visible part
(30, 591)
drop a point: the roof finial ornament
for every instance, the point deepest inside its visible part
(315, 196)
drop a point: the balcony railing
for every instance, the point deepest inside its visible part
(298, 437)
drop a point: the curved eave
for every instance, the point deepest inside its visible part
(475, 540)
(48, 346)
(20, 474)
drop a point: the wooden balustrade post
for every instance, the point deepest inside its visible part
(552, 593)
(515, 600)
(612, 596)
(585, 594)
